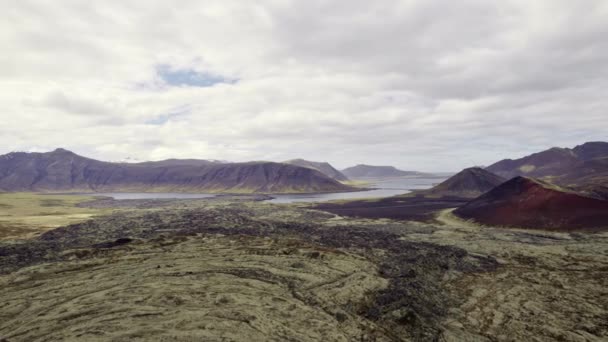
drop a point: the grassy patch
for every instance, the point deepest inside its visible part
(23, 215)
(53, 202)
(357, 183)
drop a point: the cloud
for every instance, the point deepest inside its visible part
(172, 114)
(78, 106)
(429, 85)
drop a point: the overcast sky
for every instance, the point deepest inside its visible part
(422, 85)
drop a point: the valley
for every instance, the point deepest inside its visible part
(474, 257)
(304, 171)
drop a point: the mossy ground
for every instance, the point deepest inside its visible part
(216, 269)
(24, 215)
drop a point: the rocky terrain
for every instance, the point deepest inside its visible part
(62, 170)
(207, 288)
(551, 286)
(226, 270)
(530, 203)
(323, 167)
(363, 171)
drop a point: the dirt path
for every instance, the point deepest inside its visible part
(447, 218)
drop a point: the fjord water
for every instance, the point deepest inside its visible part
(152, 195)
(382, 188)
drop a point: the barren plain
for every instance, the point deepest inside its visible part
(237, 269)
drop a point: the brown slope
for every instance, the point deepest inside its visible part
(468, 183)
(550, 163)
(554, 161)
(63, 170)
(595, 191)
(528, 203)
(593, 172)
(591, 150)
(323, 167)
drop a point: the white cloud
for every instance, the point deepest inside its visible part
(430, 85)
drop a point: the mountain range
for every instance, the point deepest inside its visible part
(363, 171)
(579, 166)
(63, 170)
(323, 167)
(559, 188)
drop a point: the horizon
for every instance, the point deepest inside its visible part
(340, 168)
(284, 170)
(392, 83)
(131, 159)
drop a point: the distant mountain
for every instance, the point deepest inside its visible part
(323, 167)
(468, 183)
(553, 161)
(591, 150)
(556, 164)
(529, 203)
(181, 162)
(62, 170)
(585, 173)
(371, 171)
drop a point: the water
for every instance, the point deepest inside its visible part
(151, 195)
(385, 188)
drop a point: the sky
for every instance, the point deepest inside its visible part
(430, 85)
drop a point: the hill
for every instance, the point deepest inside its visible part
(468, 183)
(593, 172)
(595, 191)
(551, 162)
(529, 203)
(323, 167)
(371, 171)
(562, 164)
(591, 150)
(62, 170)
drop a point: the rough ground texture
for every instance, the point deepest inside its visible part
(550, 287)
(191, 288)
(250, 271)
(399, 282)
